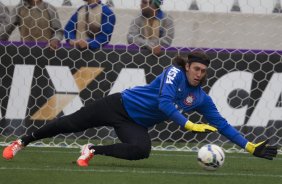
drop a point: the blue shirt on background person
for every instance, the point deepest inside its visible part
(90, 26)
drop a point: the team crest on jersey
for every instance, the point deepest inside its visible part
(189, 99)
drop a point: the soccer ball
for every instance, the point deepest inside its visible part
(211, 157)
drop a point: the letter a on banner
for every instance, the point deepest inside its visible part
(223, 87)
(267, 108)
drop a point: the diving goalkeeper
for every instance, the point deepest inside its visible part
(131, 112)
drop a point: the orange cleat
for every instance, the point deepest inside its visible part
(11, 150)
(86, 155)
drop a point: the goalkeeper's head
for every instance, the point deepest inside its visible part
(195, 65)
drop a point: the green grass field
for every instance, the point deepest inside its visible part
(55, 165)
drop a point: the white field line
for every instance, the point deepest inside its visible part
(140, 172)
(152, 154)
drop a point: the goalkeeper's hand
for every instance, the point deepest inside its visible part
(262, 150)
(204, 128)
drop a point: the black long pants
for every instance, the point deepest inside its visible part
(108, 111)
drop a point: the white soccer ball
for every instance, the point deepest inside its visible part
(211, 157)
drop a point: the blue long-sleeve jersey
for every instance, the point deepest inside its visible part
(170, 94)
(107, 26)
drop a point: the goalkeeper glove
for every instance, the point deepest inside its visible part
(199, 127)
(262, 150)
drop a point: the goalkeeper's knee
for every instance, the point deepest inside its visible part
(137, 152)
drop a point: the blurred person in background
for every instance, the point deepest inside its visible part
(153, 28)
(91, 26)
(38, 21)
(4, 21)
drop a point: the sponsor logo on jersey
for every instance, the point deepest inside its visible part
(189, 99)
(171, 75)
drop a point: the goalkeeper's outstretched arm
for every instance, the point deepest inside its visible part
(262, 149)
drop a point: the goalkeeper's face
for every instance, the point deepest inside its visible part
(196, 73)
